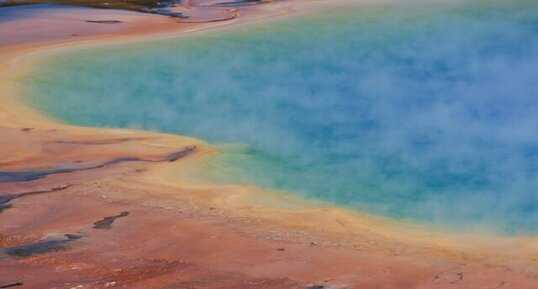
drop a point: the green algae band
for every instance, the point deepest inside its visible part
(422, 111)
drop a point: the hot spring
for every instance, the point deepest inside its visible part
(423, 111)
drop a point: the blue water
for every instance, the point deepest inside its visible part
(420, 111)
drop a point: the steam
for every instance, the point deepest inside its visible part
(414, 110)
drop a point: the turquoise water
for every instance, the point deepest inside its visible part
(420, 111)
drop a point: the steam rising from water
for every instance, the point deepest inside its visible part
(425, 111)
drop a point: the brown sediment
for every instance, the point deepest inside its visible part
(48, 25)
(182, 233)
(166, 7)
(136, 5)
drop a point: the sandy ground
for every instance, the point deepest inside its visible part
(58, 182)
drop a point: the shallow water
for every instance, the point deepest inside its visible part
(417, 111)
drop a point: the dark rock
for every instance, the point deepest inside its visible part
(41, 247)
(106, 222)
(104, 21)
(26, 176)
(6, 198)
(10, 284)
